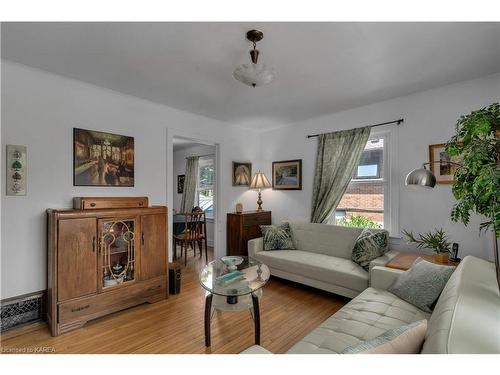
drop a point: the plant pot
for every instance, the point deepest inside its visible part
(442, 257)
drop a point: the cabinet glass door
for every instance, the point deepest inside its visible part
(117, 252)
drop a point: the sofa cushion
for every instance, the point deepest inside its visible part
(333, 240)
(466, 318)
(367, 316)
(333, 270)
(369, 246)
(256, 349)
(422, 284)
(277, 237)
(407, 339)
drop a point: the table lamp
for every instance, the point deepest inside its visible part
(260, 181)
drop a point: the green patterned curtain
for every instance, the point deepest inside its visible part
(190, 184)
(337, 156)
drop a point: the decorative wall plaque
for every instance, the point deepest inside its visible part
(16, 170)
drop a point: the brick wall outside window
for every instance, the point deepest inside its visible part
(364, 199)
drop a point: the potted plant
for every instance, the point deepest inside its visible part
(437, 241)
(477, 180)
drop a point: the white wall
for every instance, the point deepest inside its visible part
(179, 162)
(429, 117)
(39, 110)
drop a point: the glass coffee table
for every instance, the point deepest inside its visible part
(233, 284)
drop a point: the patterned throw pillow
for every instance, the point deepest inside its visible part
(369, 246)
(277, 237)
(407, 339)
(422, 284)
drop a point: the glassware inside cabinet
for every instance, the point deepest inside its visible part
(117, 252)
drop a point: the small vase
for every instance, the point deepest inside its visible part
(442, 257)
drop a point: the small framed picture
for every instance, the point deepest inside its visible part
(242, 173)
(444, 171)
(180, 183)
(287, 175)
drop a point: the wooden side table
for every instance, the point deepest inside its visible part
(242, 227)
(403, 261)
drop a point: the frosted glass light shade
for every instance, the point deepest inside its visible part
(253, 74)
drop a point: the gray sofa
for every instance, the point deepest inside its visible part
(322, 258)
(466, 318)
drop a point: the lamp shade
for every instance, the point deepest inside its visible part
(260, 181)
(421, 177)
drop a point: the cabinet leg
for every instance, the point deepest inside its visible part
(256, 318)
(208, 316)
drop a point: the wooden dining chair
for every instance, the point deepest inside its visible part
(199, 234)
(195, 232)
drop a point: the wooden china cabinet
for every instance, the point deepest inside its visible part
(103, 258)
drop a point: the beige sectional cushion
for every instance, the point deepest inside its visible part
(466, 318)
(367, 316)
(256, 349)
(333, 270)
(333, 240)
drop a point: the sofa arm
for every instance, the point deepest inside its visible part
(254, 246)
(383, 277)
(384, 259)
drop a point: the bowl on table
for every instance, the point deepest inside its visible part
(232, 262)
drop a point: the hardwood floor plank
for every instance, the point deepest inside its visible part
(288, 312)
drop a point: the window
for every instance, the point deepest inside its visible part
(370, 164)
(364, 203)
(205, 191)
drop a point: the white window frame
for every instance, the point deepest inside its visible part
(390, 180)
(201, 161)
(389, 177)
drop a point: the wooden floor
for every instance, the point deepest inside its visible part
(288, 312)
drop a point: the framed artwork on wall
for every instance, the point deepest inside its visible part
(16, 170)
(287, 175)
(443, 170)
(242, 173)
(102, 159)
(180, 183)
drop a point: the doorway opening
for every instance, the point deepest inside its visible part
(195, 189)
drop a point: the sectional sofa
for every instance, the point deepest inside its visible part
(466, 318)
(322, 258)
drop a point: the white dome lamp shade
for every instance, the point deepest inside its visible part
(254, 74)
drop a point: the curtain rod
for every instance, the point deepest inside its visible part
(200, 156)
(398, 122)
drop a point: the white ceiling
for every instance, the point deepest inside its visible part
(321, 68)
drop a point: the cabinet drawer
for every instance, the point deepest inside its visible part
(95, 306)
(94, 203)
(251, 233)
(257, 219)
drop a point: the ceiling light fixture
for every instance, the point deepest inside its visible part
(254, 74)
